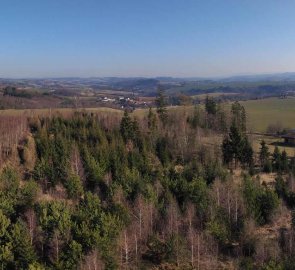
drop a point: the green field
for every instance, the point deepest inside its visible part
(214, 95)
(263, 112)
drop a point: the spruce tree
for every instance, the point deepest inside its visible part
(239, 116)
(152, 120)
(277, 159)
(126, 127)
(210, 106)
(237, 147)
(284, 161)
(161, 106)
(264, 157)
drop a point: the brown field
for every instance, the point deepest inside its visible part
(46, 112)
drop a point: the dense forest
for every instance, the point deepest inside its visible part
(99, 191)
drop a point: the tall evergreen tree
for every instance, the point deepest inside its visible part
(237, 147)
(24, 254)
(277, 159)
(284, 161)
(195, 119)
(264, 155)
(161, 106)
(152, 120)
(210, 105)
(126, 127)
(239, 116)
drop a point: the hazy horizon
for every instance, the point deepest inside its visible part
(47, 39)
(150, 77)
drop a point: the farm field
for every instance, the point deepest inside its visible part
(214, 95)
(263, 112)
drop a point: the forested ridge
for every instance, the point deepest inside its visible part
(91, 191)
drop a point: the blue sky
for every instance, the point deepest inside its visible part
(46, 38)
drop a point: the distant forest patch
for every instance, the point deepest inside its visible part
(12, 91)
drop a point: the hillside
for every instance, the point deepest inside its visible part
(178, 189)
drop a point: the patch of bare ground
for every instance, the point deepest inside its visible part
(210, 139)
(264, 178)
(267, 178)
(227, 266)
(237, 176)
(56, 194)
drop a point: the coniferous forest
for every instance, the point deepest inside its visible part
(171, 189)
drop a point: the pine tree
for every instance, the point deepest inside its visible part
(126, 127)
(195, 119)
(284, 161)
(246, 155)
(71, 256)
(210, 106)
(74, 186)
(161, 106)
(237, 147)
(238, 116)
(152, 120)
(227, 150)
(277, 159)
(23, 251)
(162, 150)
(263, 154)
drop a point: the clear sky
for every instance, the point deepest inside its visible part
(46, 38)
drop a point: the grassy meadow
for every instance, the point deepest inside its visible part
(214, 95)
(263, 112)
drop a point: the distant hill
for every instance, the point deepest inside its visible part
(250, 85)
(287, 77)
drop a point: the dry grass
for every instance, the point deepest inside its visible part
(267, 178)
(46, 112)
(271, 142)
